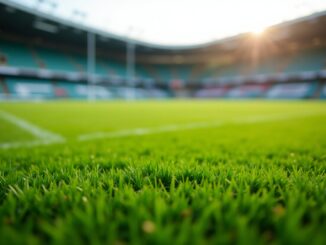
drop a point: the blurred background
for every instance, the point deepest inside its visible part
(145, 49)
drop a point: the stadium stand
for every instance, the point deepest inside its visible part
(55, 60)
(99, 92)
(269, 66)
(292, 91)
(164, 72)
(248, 91)
(70, 90)
(17, 55)
(30, 89)
(2, 92)
(183, 72)
(323, 92)
(1, 87)
(117, 69)
(217, 92)
(311, 60)
(229, 71)
(141, 72)
(79, 62)
(41, 65)
(101, 68)
(306, 60)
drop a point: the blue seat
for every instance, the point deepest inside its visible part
(73, 90)
(18, 55)
(323, 92)
(30, 88)
(55, 60)
(292, 90)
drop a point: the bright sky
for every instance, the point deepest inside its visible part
(182, 22)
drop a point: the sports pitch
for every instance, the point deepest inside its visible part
(163, 172)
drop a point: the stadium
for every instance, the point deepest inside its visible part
(114, 139)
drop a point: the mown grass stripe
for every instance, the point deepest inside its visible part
(29, 127)
(43, 137)
(188, 126)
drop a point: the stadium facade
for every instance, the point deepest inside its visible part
(45, 57)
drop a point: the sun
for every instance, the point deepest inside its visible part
(258, 30)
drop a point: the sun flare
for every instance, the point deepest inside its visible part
(258, 31)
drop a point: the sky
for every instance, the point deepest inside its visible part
(180, 22)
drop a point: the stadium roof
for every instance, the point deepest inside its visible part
(15, 17)
(178, 22)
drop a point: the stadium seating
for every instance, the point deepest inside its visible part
(228, 71)
(323, 92)
(17, 55)
(105, 67)
(206, 73)
(21, 55)
(30, 89)
(101, 68)
(313, 60)
(71, 90)
(292, 90)
(128, 93)
(265, 67)
(164, 72)
(248, 91)
(118, 69)
(183, 72)
(170, 72)
(81, 91)
(80, 62)
(243, 69)
(100, 92)
(157, 93)
(36, 89)
(2, 94)
(141, 72)
(55, 60)
(308, 60)
(217, 92)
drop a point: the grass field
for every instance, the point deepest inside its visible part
(164, 172)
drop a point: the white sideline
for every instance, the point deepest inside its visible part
(43, 137)
(188, 126)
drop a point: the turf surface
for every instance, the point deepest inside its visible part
(244, 181)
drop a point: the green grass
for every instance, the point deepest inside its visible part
(240, 183)
(10, 133)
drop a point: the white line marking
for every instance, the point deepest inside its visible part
(42, 136)
(46, 138)
(188, 126)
